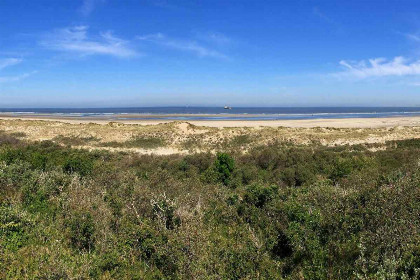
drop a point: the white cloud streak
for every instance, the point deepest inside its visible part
(215, 38)
(413, 37)
(9, 79)
(76, 40)
(316, 11)
(380, 67)
(6, 62)
(182, 45)
(88, 6)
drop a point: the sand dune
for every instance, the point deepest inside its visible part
(165, 137)
(336, 123)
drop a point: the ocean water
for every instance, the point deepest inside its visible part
(219, 113)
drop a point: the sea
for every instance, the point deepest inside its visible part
(220, 113)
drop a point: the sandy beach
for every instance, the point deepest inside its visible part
(161, 119)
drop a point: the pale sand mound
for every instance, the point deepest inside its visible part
(337, 123)
(186, 137)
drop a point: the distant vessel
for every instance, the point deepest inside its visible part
(228, 108)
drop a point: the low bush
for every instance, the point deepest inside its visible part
(14, 227)
(258, 195)
(289, 212)
(164, 210)
(224, 166)
(78, 164)
(81, 231)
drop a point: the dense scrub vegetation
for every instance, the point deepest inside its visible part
(276, 212)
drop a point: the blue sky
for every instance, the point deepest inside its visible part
(97, 53)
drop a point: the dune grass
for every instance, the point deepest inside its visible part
(143, 142)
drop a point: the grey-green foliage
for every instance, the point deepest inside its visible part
(290, 212)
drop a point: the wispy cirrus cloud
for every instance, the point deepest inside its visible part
(6, 62)
(317, 12)
(215, 38)
(183, 45)
(413, 37)
(162, 3)
(15, 78)
(379, 67)
(88, 6)
(11, 61)
(77, 40)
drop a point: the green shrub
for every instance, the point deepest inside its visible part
(14, 226)
(82, 231)
(232, 200)
(210, 175)
(304, 175)
(224, 165)
(164, 210)
(111, 225)
(201, 161)
(107, 262)
(152, 246)
(282, 247)
(78, 164)
(288, 176)
(35, 199)
(184, 166)
(10, 155)
(250, 173)
(258, 195)
(39, 161)
(342, 168)
(144, 240)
